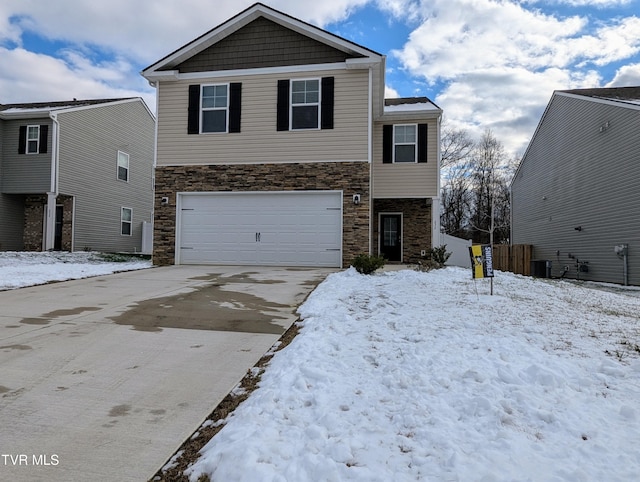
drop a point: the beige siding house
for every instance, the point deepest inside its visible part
(275, 146)
(76, 175)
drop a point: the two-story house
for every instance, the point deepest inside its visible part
(76, 175)
(275, 146)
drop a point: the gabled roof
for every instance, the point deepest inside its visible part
(43, 109)
(621, 96)
(247, 16)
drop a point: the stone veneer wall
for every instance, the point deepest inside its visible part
(67, 221)
(34, 207)
(416, 225)
(349, 177)
(33, 219)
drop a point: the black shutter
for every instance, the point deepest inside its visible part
(282, 117)
(387, 144)
(44, 134)
(22, 140)
(193, 122)
(422, 142)
(326, 104)
(235, 104)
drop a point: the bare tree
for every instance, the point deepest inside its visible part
(456, 169)
(490, 187)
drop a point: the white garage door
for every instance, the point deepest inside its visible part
(276, 228)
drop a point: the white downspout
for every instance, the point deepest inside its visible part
(436, 237)
(370, 157)
(50, 218)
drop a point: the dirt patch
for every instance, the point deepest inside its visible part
(190, 449)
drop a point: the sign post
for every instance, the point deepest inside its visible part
(482, 262)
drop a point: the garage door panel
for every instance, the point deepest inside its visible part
(288, 229)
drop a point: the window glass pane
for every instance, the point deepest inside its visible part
(304, 117)
(405, 134)
(305, 91)
(406, 153)
(126, 229)
(32, 146)
(126, 214)
(390, 231)
(34, 132)
(122, 173)
(214, 121)
(214, 96)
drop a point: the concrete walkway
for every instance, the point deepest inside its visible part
(102, 379)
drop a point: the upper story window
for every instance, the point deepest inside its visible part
(305, 104)
(214, 105)
(123, 166)
(33, 139)
(405, 143)
(214, 108)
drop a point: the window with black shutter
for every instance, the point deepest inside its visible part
(214, 108)
(32, 139)
(305, 104)
(404, 143)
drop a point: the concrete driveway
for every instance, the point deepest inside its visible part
(104, 378)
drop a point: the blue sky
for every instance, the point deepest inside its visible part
(488, 64)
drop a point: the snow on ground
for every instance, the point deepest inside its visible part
(425, 376)
(20, 269)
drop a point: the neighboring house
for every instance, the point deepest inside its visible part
(576, 194)
(76, 175)
(275, 146)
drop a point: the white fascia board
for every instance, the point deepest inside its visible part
(362, 63)
(626, 103)
(260, 71)
(410, 116)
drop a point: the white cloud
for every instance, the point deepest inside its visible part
(37, 77)
(626, 76)
(498, 63)
(146, 30)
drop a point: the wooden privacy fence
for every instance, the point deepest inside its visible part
(516, 258)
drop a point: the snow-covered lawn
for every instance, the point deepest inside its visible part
(424, 376)
(20, 269)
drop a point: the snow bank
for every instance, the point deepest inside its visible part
(424, 376)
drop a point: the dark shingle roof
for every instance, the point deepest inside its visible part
(59, 104)
(621, 94)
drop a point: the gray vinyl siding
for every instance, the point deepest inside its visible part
(403, 179)
(24, 173)
(262, 43)
(259, 141)
(573, 175)
(11, 222)
(89, 143)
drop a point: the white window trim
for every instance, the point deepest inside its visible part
(207, 109)
(37, 140)
(118, 166)
(415, 144)
(292, 105)
(123, 221)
